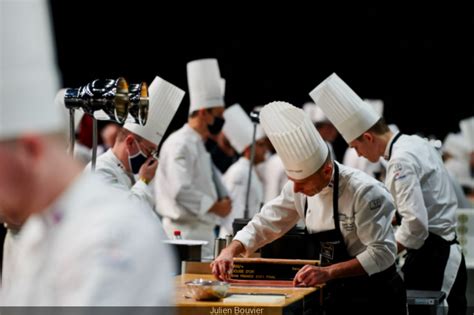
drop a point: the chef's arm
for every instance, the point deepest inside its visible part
(310, 276)
(346, 269)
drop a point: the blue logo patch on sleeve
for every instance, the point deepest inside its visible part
(398, 175)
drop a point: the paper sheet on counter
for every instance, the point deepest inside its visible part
(257, 298)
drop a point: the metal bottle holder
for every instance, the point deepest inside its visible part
(108, 95)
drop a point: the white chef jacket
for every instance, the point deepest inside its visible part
(275, 177)
(82, 153)
(184, 188)
(236, 180)
(461, 170)
(351, 159)
(365, 213)
(112, 171)
(461, 198)
(92, 248)
(422, 191)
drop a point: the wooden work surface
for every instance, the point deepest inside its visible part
(296, 299)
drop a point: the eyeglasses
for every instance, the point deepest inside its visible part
(154, 154)
(149, 152)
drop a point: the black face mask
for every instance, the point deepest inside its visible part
(216, 127)
(137, 161)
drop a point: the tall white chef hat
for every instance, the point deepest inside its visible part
(164, 102)
(467, 130)
(238, 128)
(296, 140)
(222, 83)
(344, 108)
(377, 105)
(29, 75)
(205, 85)
(315, 113)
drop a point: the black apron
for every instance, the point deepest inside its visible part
(424, 268)
(381, 293)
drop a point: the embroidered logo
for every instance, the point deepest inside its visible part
(375, 204)
(327, 250)
(398, 175)
(348, 223)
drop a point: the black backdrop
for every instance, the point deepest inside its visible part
(419, 61)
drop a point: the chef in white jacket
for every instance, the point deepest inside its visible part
(456, 155)
(467, 129)
(348, 227)
(238, 128)
(134, 151)
(189, 197)
(419, 184)
(83, 242)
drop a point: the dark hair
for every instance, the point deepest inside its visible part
(379, 128)
(329, 160)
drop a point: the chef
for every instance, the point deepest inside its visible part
(134, 151)
(83, 242)
(456, 157)
(238, 128)
(347, 215)
(222, 153)
(189, 191)
(419, 184)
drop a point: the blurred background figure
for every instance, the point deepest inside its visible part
(222, 153)
(190, 195)
(325, 128)
(108, 134)
(239, 130)
(456, 156)
(69, 242)
(467, 130)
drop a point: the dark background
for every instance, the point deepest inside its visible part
(418, 61)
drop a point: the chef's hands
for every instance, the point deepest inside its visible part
(222, 207)
(224, 263)
(222, 266)
(310, 276)
(148, 169)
